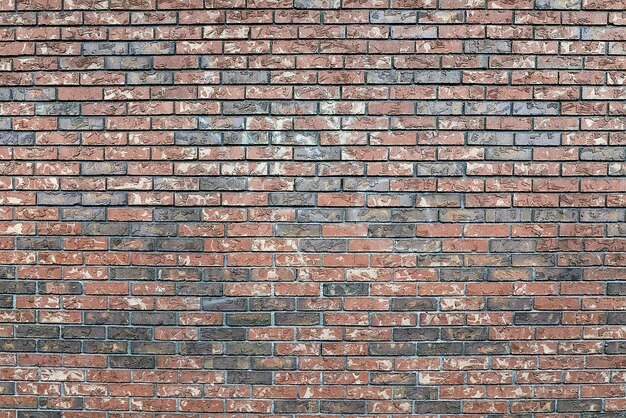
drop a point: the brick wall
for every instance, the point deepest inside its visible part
(296, 208)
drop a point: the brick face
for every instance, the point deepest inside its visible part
(296, 208)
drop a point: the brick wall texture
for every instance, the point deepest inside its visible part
(298, 208)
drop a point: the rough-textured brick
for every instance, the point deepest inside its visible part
(373, 208)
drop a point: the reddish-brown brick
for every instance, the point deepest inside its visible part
(312, 208)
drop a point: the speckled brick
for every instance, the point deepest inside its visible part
(279, 208)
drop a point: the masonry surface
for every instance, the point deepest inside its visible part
(298, 208)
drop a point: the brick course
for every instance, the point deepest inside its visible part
(297, 208)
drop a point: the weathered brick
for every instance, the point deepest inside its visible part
(103, 198)
(37, 331)
(153, 318)
(392, 349)
(312, 208)
(150, 77)
(152, 48)
(346, 289)
(391, 230)
(323, 245)
(437, 407)
(245, 77)
(416, 393)
(319, 215)
(342, 407)
(127, 62)
(17, 138)
(486, 348)
(292, 199)
(103, 168)
(81, 123)
(292, 406)
(300, 318)
(129, 333)
(107, 318)
(199, 348)
(527, 318)
(197, 138)
(223, 334)
(616, 288)
(58, 198)
(36, 243)
(249, 377)
(248, 319)
(105, 48)
(105, 347)
(567, 405)
(83, 332)
(417, 334)
(133, 362)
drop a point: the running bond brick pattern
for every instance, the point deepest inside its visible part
(298, 208)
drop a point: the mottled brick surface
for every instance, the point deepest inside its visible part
(298, 208)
